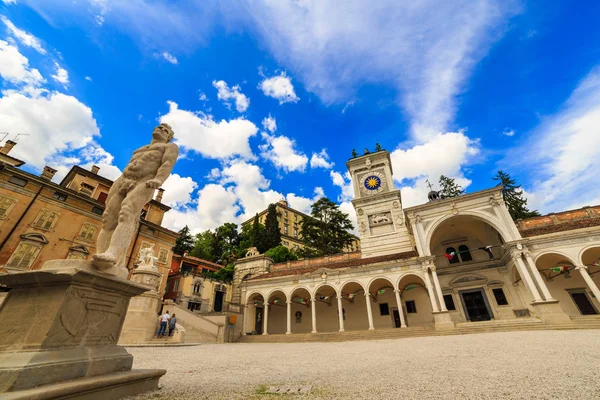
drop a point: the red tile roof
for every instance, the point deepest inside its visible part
(337, 265)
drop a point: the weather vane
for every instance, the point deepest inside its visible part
(429, 184)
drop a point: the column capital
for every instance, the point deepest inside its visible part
(266, 304)
(425, 267)
(580, 267)
(396, 291)
(516, 255)
(288, 302)
(367, 294)
(432, 268)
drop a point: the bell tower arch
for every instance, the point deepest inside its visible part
(378, 206)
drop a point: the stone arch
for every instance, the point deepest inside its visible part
(337, 292)
(390, 280)
(291, 292)
(493, 222)
(397, 284)
(326, 300)
(252, 293)
(276, 290)
(352, 281)
(560, 253)
(584, 250)
(35, 237)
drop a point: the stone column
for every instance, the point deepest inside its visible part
(438, 288)
(266, 319)
(434, 305)
(588, 279)
(400, 309)
(340, 313)
(289, 317)
(245, 308)
(538, 277)
(518, 260)
(369, 311)
(313, 314)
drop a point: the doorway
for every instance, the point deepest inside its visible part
(476, 305)
(583, 303)
(396, 316)
(258, 321)
(218, 304)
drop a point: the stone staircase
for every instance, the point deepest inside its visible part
(463, 328)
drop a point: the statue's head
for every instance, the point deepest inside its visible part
(163, 133)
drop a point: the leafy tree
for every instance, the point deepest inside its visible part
(249, 233)
(327, 232)
(185, 241)
(205, 246)
(225, 274)
(226, 243)
(513, 197)
(449, 188)
(272, 235)
(281, 254)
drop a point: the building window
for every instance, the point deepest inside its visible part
(87, 232)
(76, 255)
(86, 189)
(59, 196)
(454, 259)
(286, 243)
(197, 287)
(194, 306)
(295, 232)
(46, 219)
(102, 197)
(27, 251)
(6, 204)
(500, 297)
(296, 247)
(295, 217)
(176, 286)
(449, 301)
(97, 210)
(384, 309)
(411, 307)
(465, 254)
(285, 229)
(285, 213)
(17, 181)
(162, 256)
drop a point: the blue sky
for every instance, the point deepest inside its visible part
(268, 98)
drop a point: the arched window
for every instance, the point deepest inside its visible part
(465, 254)
(455, 259)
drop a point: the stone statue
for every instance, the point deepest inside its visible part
(146, 257)
(252, 251)
(354, 153)
(147, 170)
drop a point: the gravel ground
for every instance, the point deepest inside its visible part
(508, 365)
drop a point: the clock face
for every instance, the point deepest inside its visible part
(373, 183)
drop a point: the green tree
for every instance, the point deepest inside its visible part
(272, 235)
(227, 241)
(449, 188)
(204, 246)
(327, 232)
(513, 197)
(225, 274)
(185, 241)
(281, 254)
(249, 233)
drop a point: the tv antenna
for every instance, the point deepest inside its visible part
(20, 134)
(3, 137)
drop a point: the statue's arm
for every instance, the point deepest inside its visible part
(168, 161)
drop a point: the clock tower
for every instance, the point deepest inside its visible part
(378, 206)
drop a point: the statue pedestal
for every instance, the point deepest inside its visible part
(59, 333)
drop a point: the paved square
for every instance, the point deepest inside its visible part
(511, 365)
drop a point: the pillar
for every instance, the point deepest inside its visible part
(518, 260)
(588, 279)
(434, 305)
(244, 319)
(313, 312)
(289, 317)
(538, 277)
(438, 288)
(266, 319)
(340, 313)
(369, 311)
(400, 309)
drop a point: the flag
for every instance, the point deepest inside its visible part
(351, 295)
(559, 269)
(381, 291)
(488, 250)
(450, 256)
(410, 287)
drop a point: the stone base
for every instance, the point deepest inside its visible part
(64, 325)
(551, 313)
(443, 320)
(106, 387)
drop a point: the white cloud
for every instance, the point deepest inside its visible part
(202, 97)
(61, 75)
(279, 87)
(347, 208)
(344, 182)
(321, 160)
(178, 190)
(269, 123)
(62, 123)
(303, 204)
(14, 67)
(7, 2)
(281, 152)
(87, 78)
(561, 157)
(226, 94)
(425, 49)
(199, 132)
(23, 37)
(508, 132)
(169, 57)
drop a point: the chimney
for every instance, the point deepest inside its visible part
(48, 173)
(95, 169)
(159, 195)
(7, 147)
